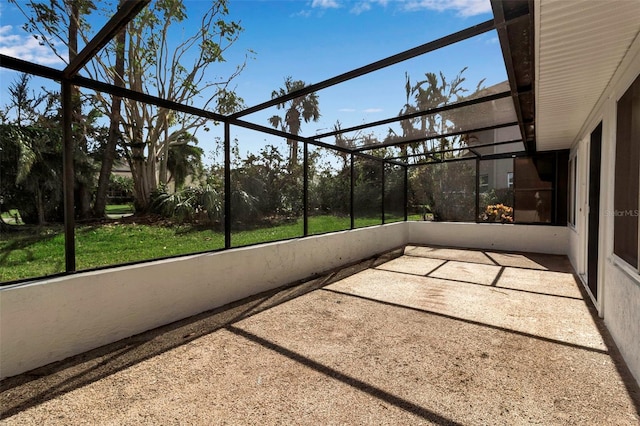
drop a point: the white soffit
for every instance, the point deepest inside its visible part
(579, 46)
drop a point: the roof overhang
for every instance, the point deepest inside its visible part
(514, 24)
(579, 47)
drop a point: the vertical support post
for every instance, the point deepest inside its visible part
(406, 193)
(382, 163)
(477, 189)
(515, 174)
(554, 200)
(305, 190)
(68, 177)
(351, 195)
(227, 185)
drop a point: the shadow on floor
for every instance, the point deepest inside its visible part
(48, 382)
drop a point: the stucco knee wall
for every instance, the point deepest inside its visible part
(524, 238)
(49, 320)
(621, 300)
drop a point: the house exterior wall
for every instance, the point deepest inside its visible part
(621, 295)
(496, 172)
(618, 299)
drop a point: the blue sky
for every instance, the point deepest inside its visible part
(318, 39)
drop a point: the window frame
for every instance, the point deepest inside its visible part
(629, 268)
(572, 196)
(483, 183)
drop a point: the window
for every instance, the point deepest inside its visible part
(627, 176)
(484, 183)
(496, 200)
(510, 180)
(534, 189)
(447, 190)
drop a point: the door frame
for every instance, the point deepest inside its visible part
(592, 225)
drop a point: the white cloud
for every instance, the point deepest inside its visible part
(366, 5)
(26, 47)
(360, 8)
(325, 4)
(319, 5)
(357, 7)
(464, 8)
(346, 110)
(372, 110)
(302, 14)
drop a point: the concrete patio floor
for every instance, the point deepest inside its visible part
(427, 335)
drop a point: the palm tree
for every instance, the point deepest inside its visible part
(432, 92)
(344, 142)
(31, 172)
(302, 108)
(185, 159)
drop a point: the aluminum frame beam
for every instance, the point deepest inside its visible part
(442, 135)
(418, 114)
(125, 13)
(375, 66)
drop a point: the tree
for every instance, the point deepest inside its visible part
(367, 197)
(432, 92)
(150, 131)
(448, 189)
(28, 177)
(302, 108)
(20, 103)
(115, 118)
(31, 147)
(343, 141)
(158, 61)
(65, 20)
(185, 160)
(31, 172)
(258, 175)
(31, 160)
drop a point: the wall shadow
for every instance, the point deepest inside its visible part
(35, 387)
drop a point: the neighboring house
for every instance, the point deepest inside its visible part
(496, 174)
(117, 195)
(121, 168)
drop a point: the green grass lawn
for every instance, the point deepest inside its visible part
(12, 217)
(119, 209)
(38, 251)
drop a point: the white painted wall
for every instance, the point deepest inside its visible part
(525, 238)
(621, 294)
(618, 283)
(573, 252)
(51, 319)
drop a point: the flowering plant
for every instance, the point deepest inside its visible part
(497, 213)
